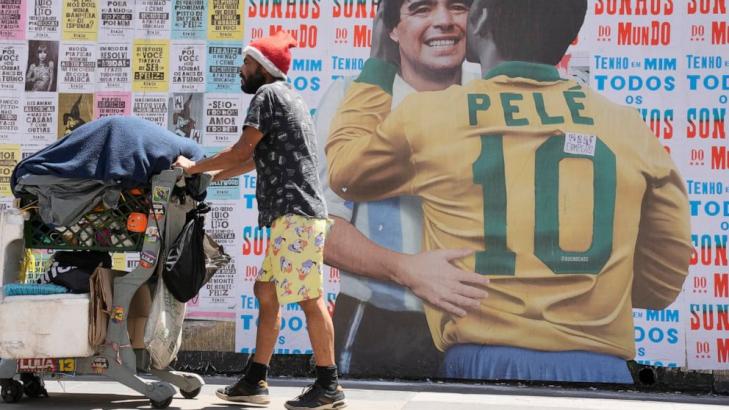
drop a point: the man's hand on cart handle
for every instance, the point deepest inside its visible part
(184, 163)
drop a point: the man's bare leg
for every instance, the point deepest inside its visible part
(269, 321)
(252, 387)
(321, 331)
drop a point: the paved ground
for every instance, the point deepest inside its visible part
(90, 393)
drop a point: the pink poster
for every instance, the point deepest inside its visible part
(112, 103)
(12, 19)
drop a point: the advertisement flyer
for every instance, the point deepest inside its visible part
(42, 68)
(152, 19)
(187, 67)
(150, 65)
(219, 298)
(12, 66)
(152, 107)
(112, 103)
(41, 119)
(74, 110)
(225, 20)
(223, 67)
(189, 19)
(44, 19)
(12, 19)
(77, 67)
(9, 157)
(224, 115)
(186, 115)
(80, 20)
(114, 67)
(117, 20)
(11, 118)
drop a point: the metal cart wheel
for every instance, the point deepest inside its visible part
(33, 386)
(191, 394)
(161, 404)
(12, 391)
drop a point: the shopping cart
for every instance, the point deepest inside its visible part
(23, 354)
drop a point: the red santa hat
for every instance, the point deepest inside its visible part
(272, 53)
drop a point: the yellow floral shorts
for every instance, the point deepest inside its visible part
(294, 259)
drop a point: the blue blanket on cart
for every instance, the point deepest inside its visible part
(116, 150)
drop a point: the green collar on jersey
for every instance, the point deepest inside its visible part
(535, 71)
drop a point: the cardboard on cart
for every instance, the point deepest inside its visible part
(45, 326)
(139, 309)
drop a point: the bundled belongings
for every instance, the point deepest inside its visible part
(73, 269)
(94, 163)
(193, 257)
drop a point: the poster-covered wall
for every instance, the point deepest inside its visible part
(175, 62)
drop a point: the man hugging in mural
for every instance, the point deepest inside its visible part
(527, 169)
(377, 244)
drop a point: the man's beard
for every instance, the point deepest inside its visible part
(252, 84)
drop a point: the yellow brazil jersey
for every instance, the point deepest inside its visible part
(575, 211)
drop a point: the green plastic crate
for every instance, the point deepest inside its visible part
(104, 230)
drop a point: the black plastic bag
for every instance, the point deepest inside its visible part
(186, 269)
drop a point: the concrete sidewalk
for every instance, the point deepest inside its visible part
(91, 393)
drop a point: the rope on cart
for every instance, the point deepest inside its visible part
(32, 205)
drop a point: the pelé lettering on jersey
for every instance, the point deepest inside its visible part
(511, 103)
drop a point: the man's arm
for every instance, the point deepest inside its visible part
(430, 275)
(366, 165)
(663, 250)
(228, 159)
(224, 174)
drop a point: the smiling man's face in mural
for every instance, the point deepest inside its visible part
(431, 35)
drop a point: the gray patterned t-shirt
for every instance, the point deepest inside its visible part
(286, 161)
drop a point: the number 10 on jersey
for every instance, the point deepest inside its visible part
(489, 172)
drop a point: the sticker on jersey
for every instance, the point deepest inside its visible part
(117, 314)
(161, 194)
(147, 259)
(100, 364)
(580, 144)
